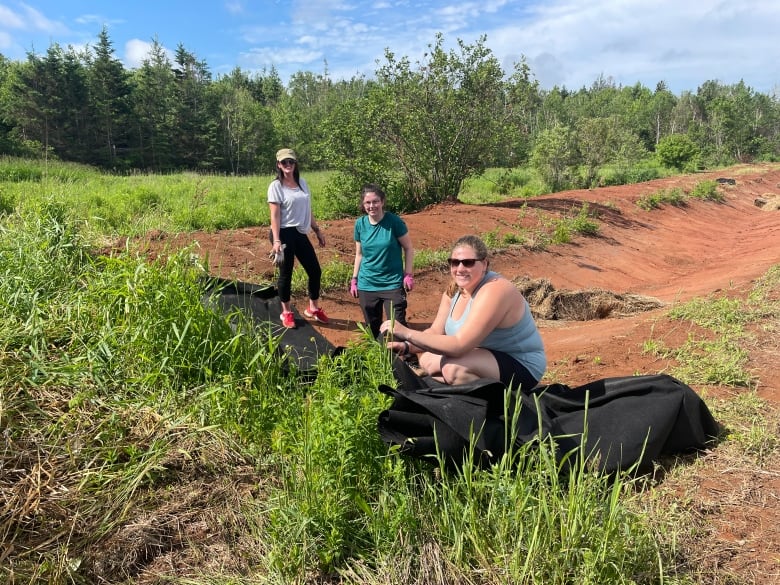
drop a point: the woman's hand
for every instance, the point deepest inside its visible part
(320, 236)
(395, 329)
(399, 347)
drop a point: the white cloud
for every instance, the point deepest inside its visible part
(571, 42)
(35, 20)
(265, 57)
(89, 19)
(136, 51)
(10, 19)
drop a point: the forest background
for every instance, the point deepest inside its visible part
(419, 129)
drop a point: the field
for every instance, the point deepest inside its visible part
(674, 253)
(147, 439)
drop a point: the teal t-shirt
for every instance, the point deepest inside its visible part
(382, 266)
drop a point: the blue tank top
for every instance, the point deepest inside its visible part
(522, 340)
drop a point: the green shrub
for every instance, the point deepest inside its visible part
(677, 151)
(646, 170)
(707, 191)
(674, 196)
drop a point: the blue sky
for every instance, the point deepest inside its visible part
(566, 42)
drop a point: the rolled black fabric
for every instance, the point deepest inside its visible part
(619, 422)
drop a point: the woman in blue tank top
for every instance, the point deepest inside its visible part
(483, 328)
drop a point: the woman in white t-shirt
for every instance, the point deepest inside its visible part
(289, 198)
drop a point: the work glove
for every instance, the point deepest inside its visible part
(353, 287)
(278, 257)
(408, 281)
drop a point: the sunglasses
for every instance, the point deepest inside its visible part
(288, 162)
(467, 262)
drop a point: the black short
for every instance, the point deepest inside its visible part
(512, 373)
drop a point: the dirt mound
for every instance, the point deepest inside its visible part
(550, 304)
(768, 202)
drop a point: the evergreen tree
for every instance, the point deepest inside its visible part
(190, 141)
(154, 97)
(109, 99)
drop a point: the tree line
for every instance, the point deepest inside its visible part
(419, 128)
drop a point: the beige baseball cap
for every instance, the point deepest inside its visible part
(286, 153)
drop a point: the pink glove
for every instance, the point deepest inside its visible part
(353, 287)
(408, 281)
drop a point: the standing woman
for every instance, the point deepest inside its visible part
(384, 259)
(289, 198)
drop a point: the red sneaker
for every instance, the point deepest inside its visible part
(288, 319)
(317, 315)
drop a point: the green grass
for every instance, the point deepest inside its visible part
(495, 185)
(706, 191)
(138, 421)
(134, 204)
(674, 196)
(703, 191)
(718, 355)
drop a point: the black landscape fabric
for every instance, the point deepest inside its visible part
(630, 421)
(624, 421)
(303, 344)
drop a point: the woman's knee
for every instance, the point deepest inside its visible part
(456, 373)
(429, 362)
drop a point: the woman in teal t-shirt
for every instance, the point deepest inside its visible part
(384, 258)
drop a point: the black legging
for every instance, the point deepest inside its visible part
(298, 245)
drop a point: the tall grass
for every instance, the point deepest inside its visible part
(137, 203)
(496, 185)
(116, 377)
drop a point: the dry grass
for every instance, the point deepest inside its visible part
(583, 305)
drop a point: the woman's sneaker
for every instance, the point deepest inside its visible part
(288, 319)
(317, 314)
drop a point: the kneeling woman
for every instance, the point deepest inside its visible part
(483, 328)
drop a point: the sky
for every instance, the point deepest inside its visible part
(566, 43)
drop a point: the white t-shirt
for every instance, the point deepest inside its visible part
(295, 203)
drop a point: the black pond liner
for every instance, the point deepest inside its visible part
(621, 423)
(303, 344)
(631, 421)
